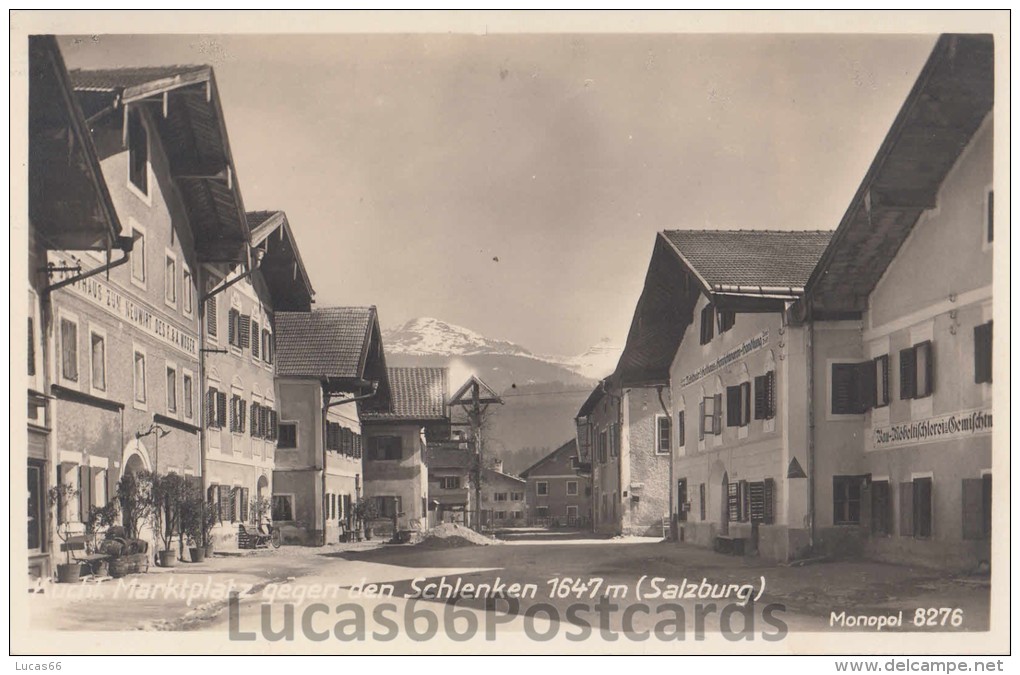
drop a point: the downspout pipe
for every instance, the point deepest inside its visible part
(672, 480)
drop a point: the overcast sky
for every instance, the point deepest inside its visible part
(407, 163)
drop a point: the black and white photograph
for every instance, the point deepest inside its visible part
(511, 333)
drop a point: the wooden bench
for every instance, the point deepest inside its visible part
(246, 539)
(77, 546)
(730, 545)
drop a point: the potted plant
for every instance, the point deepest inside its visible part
(259, 508)
(192, 511)
(210, 516)
(366, 511)
(59, 497)
(166, 494)
(100, 518)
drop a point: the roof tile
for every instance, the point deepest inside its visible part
(327, 342)
(418, 393)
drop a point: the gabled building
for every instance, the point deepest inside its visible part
(241, 412)
(910, 267)
(396, 438)
(327, 361)
(556, 494)
(503, 498)
(629, 432)
(710, 324)
(451, 488)
(69, 209)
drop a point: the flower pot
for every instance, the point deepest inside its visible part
(68, 573)
(168, 558)
(208, 550)
(197, 554)
(368, 534)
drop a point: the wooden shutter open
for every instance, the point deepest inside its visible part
(84, 492)
(717, 414)
(760, 397)
(256, 339)
(866, 375)
(769, 496)
(733, 406)
(701, 420)
(908, 373)
(232, 326)
(756, 501)
(245, 337)
(983, 353)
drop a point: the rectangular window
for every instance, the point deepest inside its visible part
(738, 405)
(171, 389)
(852, 387)
(211, 316)
(139, 377)
(287, 432)
(990, 217)
(31, 347)
(385, 448)
(188, 291)
(267, 346)
(138, 152)
(917, 371)
(733, 502)
(234, 328)
(170, 281)
(707, 324)
(664, 432)
(681, 429)
(922, 507)
(69, 349)
(449, 482)
(542, 488)
(765, 396)
(499, 497)
(516, 496)
(98, 358)
(881, 381)
(701, 501)
(572, 488)
(256, 338)
(846, 499)
(138, 257)
(983, 353)
(283, 507)
(711, 416)
(881, 507)
(725, 319)
(189, 402)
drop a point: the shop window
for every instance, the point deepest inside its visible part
(385, 448)
(983, 353)
(738, 405)
(663, 434)
(765, 396)
(881, 507)
(846, 499)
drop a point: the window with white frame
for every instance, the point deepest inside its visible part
(917, 371)
(139, 376)
(171, 388)
(97, 359)
(188, 391)
(138, 152)
(541, 488)
(138, 266)
(571, 488)
(187, 291)
(170, 279)
(663, 434)
(69, 349)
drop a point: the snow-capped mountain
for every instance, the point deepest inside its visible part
(426, 336)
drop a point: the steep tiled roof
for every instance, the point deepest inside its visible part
(492, 473)
(113, 79)
(568, 449)
(257, 218)
(418, 394)
(751, 257)
(328, 342)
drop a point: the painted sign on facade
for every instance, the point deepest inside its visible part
(126, 309)
(749, 346)
(933, 429)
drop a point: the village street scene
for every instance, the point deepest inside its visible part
(247, 418)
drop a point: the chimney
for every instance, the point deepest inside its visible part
(498, 465)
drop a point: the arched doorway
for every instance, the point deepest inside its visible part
(262, 487)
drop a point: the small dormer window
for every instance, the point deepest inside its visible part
(138, 152)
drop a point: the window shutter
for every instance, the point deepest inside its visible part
(256, 338)
(973, 508)
(844, 389)
(223, 500)
(769, 515)
(244, 504)
(733, 406)
(232, 326)
(760, 397)
(245, 331)
(31, 346)
(771, 389)
(745, 404)
(210, 317)
(717, 414)
(881, 381)
(701, 420)
(84, 492)
(908, 373)
(745, 501)
(221, 409)
(681, 429)
(733, 502)
(906, 509)
(983, 353)
(210, 408)
(242, 414)
(866, 377)
(212, 495)
(927, 348)
(701, 500)
(233, 413)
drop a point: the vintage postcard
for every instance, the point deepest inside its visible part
(511, 333)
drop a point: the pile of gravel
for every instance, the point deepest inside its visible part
(452, 535)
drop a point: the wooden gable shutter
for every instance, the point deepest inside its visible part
(245, 323)
(907, 509)
(256, 339)
(760, 397)
(733, 406)
(973, 508)
(983, 353)
(908, 373)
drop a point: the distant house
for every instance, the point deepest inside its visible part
(503, 498)
(327, 360)
(556, 494)
(629, 433)
(396, 437)
(451, 489)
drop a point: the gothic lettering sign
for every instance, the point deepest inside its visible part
(933, 429)
(749, 346)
